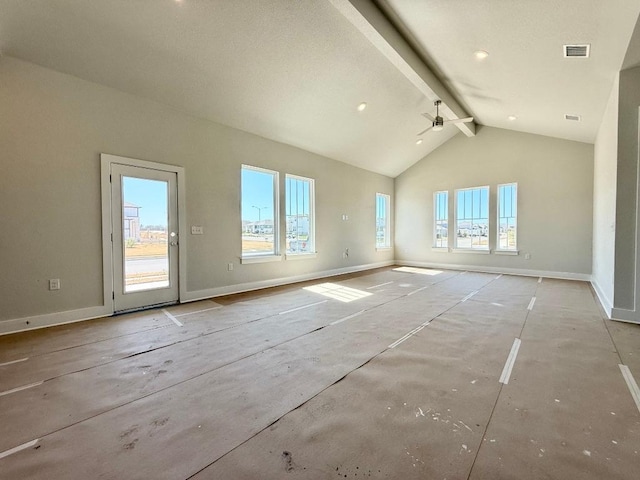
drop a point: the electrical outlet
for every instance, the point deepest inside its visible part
(197, 230)
(230, 266)
(527, 256)
(54, 284)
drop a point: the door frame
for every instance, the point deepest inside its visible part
(106, 160)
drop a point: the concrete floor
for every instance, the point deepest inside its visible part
(393, 373)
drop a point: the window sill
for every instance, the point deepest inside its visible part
(301, 256)
(506, 252)
(383, 249)
(484, 251)
(440, 249)
(261, 259)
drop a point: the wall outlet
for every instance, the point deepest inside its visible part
(54, 284)
(197, 230)
(527, 256)
(345, 217)
(230, 266)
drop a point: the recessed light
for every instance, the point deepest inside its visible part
(480, 54)
(419, 141)
(512, 117)
(362, 106)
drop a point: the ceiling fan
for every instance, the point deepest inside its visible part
(438, 122)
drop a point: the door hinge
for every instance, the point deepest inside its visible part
(113, 295)
(110, 178)
(112, 238)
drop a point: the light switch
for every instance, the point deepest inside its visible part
(197, 230)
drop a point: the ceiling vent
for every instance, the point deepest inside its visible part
(577, 51)
(573, 118)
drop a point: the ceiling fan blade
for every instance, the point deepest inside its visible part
(425, 130)
(460, 120)
(428, 117)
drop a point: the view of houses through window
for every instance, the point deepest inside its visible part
(507, 216)
(472, 218)
(144, 234)
(259, 202)
(299, 214)
(383, 230)
(441, 219)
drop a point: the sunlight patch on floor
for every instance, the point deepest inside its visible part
(421, 271)
(338, 292)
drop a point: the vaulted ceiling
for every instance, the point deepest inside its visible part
(295, 70)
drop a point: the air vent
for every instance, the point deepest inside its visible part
(573, 118)
(577, 51)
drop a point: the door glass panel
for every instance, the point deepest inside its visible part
(145, 236)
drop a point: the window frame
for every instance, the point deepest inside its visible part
(435, 245)
(257, 257)
(472, 249)
(387, 223)
(499, 249)
(312, 218)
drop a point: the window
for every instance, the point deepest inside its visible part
(300, 215)
(472, 218)
(383, 230)
(441, 219)
(507, 216)
(259, 189)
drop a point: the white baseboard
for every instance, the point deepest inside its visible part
(70, 316)
(50, 319)
(276, 282)
(604, 301)
(624, 315)
(508, 271)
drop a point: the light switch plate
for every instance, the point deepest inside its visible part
(197, 230)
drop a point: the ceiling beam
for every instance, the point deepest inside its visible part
(375, 26)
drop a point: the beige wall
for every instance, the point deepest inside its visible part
(604, 201)
(555, 198)
(53, 128)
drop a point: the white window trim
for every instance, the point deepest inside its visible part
(387, 245)
(312, 218)
(440, 249)
(457, 249)
(301, 256)
(478, 251)
(260, 258)
(504, 250)
(435, 219)
(275, 256)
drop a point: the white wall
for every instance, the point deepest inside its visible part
(604, 201)
(53, 128)
(555, 201)
(627, 241)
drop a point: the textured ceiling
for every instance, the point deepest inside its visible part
(295, 70)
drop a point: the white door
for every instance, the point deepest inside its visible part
(144, 210)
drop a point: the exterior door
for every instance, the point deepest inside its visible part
(144, 210)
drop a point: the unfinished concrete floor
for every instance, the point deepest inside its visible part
(397, 373)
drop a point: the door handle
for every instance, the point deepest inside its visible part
(174, 240)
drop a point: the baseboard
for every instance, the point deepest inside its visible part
(276, 282)
(606, 304)
(51, 319)
(624, 315)
(509, 271)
